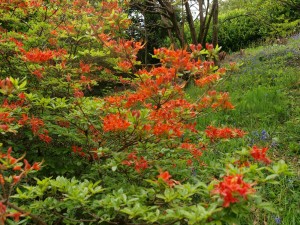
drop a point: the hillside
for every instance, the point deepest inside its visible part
(265, 92)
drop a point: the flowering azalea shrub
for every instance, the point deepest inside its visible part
(130, 157)
(12, 172)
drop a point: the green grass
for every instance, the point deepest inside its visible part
(266, 95)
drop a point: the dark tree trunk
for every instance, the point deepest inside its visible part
(207, 24)
(190, 20)
(172, 16)
(215, 22)
(202, 21)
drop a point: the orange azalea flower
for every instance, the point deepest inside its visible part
(4, 127)
(209, 46)
(17, 168)
(218, 133)
(16, 216)
(45, 137)
(165, 176)
(38, 73)
(114, 122)
(5, 117)
(27, 165)
(38, 56)
(260, 154)
(16, 179)
(231, 188)
(2, 181)
(125, 65)
(36, 166)
(140, 163)
(36, 123)
(85, 68)
(78, 93)
(22, 96)
(207, 80)
(23, 120)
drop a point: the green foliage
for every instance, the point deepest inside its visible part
(242, 23)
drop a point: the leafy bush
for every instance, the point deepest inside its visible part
(242, 24)
(134, 156)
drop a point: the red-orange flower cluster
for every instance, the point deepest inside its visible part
(16, 166)
(39, 56)
(85, 68)
(233, 187)
(115, 122)
(139, 163)
(218, 133)
(166, 177)
(180, 59)
(38, 72)
(193, 149)
(78, 150)
(216, 100)
(260, 154)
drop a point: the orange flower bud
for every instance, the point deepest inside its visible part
(17, 168)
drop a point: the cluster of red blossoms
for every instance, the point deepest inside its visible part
(15, 164)
(9, 162)
(114, 122)
(166, 177)
(4, 214)
(36, 127)
(8, 120)
(193, 149)
(78, 150)
(38, 56)
(260, 154)
(215, 100)
(223, 133)
(139, 163)
(233, 187)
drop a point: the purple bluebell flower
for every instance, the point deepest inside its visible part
(264, 135)
(277, 220)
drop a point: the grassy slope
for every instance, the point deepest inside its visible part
(266, 94)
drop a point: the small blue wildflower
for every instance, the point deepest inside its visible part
(264, 135)
(277, 220)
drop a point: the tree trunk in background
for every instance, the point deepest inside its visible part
(202, 21)
(215, 13)
(190, 20)
(205, 20)
(170, 34)
(172, 16)
(173, 19)
(207, 24)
